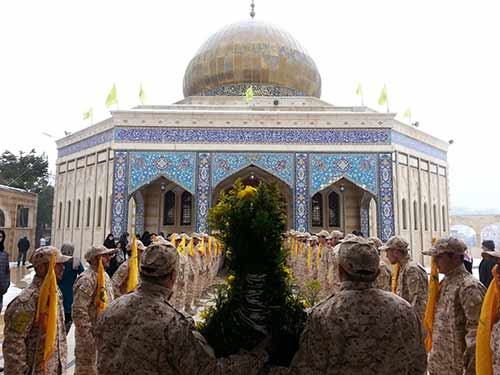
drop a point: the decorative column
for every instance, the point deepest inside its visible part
(364, 213)
(385, 197)
(203, 192)
(119, 221)
(301, 201)
(139, 212)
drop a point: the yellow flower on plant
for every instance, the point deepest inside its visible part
(247, 192)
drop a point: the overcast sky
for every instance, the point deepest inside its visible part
(440, 57)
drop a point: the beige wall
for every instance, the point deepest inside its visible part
(80, 180)
(419, 186)
(9, 201)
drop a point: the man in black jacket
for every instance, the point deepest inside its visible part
(486, 264)
(23, 245)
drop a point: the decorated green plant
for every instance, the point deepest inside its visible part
(257, 300)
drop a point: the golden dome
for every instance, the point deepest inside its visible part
(252, 53)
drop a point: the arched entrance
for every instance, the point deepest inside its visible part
(345, 206)
(253, 175)
(162, 206)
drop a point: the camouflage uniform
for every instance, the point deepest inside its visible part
(384, 277)
(412, 283)
(495, 348)
(456, 317)
(361, 329)
(23, 340)
(169, 343)
(84, 317)
(120, 279)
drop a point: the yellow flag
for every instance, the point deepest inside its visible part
(112, 97)
(191, 248)
(133, 267)
(383, 96)
(249, 94)
(318, 255)
(431, 304)
(359, 90)
(181, 249)
(407, 113)
(209, 246)
(46, 312)
(309, 257)
(292, 246)
(201, 249)
(101, 298)
(395, 276)
(142, 95)
(88, 114)
(488, 317)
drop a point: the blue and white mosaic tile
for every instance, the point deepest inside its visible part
(278, 164)
(84, 144)
(301, 196)
(203, 192)
(417, 145)
(252, 136)
(326, 169)
(119, 218)
(385, 198)
(139, 212)
(178, 167)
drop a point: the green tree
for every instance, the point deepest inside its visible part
(29, 171)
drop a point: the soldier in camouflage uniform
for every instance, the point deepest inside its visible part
(323, 258)
(179, 290)
(120, 277)
(361, 329)
(412, 283)
(169, 343)
(333, 265)
(85, 309)
(384, 277)
(23, 341)
(457, 312)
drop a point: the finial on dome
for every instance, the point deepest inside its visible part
(252, 12)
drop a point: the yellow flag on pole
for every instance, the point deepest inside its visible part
(309, 257)
(201, 249)
(181, 249)
(249, 94)
(488, 317)
(191, 248)
(318, 255)
(209, 246)
(133, 267)
(88, 114)
(407, 113)
(359, 90)
(383, 96)
(431, 304)
(101, 298)
(142, 95)
(46, 312)
(112, 97)
(395, 275)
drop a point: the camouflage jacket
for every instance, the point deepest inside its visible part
(23, 340)
(120, 279)
(360, 330)
(384, 278)
(455, 324)
(413, 285)
(84, 317)
(168, 341)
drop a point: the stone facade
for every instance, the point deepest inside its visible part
(18, 210)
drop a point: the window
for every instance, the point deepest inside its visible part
(434, 214)
(89, 206)
(443, 214)
(99, 211)
(415, 215)
(426, 218)
(333, 209)
(317, 210)
(405, 218)
(186, 208)
(22, 217)
(169, 208)
(2, 219)
(78, 204)
(68, 219)
(60, 216)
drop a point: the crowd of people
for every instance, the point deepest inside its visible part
(374, 318)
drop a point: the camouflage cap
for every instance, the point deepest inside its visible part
(97, 250)
(314, 238)
(396, 243)
(140, 245)
(377, 242)
(43, 255)
(323, 233)
(196, 235)
(359, 257)
(447, 245)
(336, 234)
(159, 260)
